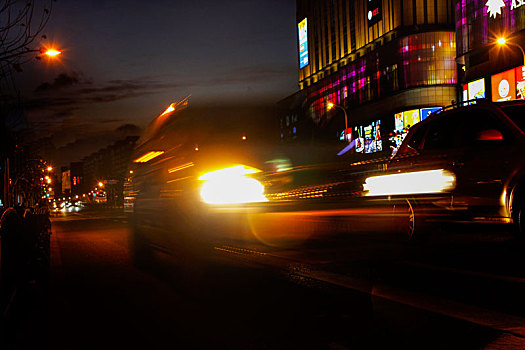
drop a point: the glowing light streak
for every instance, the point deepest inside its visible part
(233, 190)
(171, 108)
(148, 156)
(180, 167)
(418, 182)
(231, 186)
(238, 170)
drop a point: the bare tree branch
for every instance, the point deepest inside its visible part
(21, 26)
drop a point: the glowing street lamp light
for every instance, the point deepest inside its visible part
(333, 105)
(49, 168)
(100, 184)
(50, 52)
(502, 41)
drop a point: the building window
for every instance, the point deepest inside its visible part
(428, 59)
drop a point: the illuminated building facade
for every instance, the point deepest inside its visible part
(377, 59)
(489, 70)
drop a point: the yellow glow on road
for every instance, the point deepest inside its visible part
(418, 182)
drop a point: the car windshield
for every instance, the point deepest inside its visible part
(517, 114)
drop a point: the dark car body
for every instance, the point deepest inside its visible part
(482, 145)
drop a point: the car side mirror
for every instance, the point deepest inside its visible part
(489, 135)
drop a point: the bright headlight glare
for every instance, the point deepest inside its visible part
(238, 170)
(231, 186)
(418, 182)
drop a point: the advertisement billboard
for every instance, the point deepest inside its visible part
(404, 120)
(425, 112)
(303, 43)
(520, 83)
(504, 86)
(399, 123)
(476, 89)
(368, 138)
(411, 117)
(346, 134)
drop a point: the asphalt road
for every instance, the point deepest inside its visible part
(460, 289)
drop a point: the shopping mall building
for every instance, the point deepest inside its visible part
(389, 63)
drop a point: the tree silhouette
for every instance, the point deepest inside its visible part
(21, 26)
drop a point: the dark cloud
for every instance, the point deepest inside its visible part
(63, 80)
(86, 144)
(72, 90)
(109, 120)
(81, 91)
(59, 107)
(129, 129)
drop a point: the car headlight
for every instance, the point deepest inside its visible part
(417, 182)
(232, 186)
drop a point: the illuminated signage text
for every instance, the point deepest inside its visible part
(303, 43)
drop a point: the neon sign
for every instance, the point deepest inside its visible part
(303, 43)
(516, 4)
(374, 8)
(494, 6)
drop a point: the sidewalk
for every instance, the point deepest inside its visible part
(24, 266)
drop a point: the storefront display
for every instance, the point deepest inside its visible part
(368, 138)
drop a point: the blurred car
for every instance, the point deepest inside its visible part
(199, 184)
(464, 163)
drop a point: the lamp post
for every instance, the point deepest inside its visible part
(502, 41)
(333, 105)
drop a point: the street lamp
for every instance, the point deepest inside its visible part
(333, 105)
(43, 52)
(51, 52)
(502, 41)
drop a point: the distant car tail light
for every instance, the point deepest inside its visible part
(232, 186)
(418, 182)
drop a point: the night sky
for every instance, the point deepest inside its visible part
(125, 61)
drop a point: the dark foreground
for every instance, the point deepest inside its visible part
(461, 290)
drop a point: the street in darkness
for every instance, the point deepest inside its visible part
(387, 295)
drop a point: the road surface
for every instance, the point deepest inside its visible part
(460, 290)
